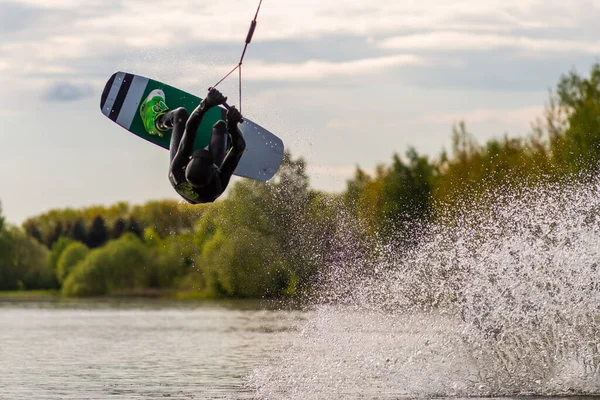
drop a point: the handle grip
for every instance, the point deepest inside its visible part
(227, 106)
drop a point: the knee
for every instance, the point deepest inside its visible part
(219, 126)
(180, 114)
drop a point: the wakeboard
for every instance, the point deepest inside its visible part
(121, 100)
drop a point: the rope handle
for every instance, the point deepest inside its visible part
(226, 106)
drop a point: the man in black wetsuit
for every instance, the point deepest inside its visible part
(199, 176)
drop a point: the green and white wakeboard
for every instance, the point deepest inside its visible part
(124, 93)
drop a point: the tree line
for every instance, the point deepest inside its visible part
(95, 226)
(274, 239)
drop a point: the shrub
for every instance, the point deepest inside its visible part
(122, 264)
(245, 264)
(70, 256)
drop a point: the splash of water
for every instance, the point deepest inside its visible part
(497, 303)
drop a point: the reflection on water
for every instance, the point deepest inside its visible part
(136, 349)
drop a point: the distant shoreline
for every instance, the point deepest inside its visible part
(29, 294)
(137, 294)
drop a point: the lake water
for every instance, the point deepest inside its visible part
(146, 349)
(136, 349)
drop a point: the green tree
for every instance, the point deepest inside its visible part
(151, 238)
(74, 253)
(123, 264)
(98, 233)
(133, 226)
(118, 228)
(56, 251)
(177, 256)
(579, 98)
(23, 264)
(56, 233)
(279, 210)
(406, 197)
(1, 218)
(168, 217)
(245, 264)
(365, 198)
(79, 232)
(207, 225)
(32, 230)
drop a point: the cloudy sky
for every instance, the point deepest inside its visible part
(341, 82)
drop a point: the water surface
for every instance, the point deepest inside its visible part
(150, 349)
(136, 349)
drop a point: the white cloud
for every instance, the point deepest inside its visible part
(448, 41)
(311, 18)
(58, 48)
(154, 24)
(310, 70)
(26, 68)
(8, 113)
(318, 69)
(58, 4)
(501, 116)
(102, 29)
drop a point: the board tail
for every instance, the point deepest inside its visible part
(121, 99)
(106, 90)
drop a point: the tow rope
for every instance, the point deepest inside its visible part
(239, 65)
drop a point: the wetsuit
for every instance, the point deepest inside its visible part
(212, 168)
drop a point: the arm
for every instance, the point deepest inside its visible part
(238, 145)
(234, 154)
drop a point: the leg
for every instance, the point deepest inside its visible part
(218, 142)
(175, 119)
(186, 144)
(193, 123)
